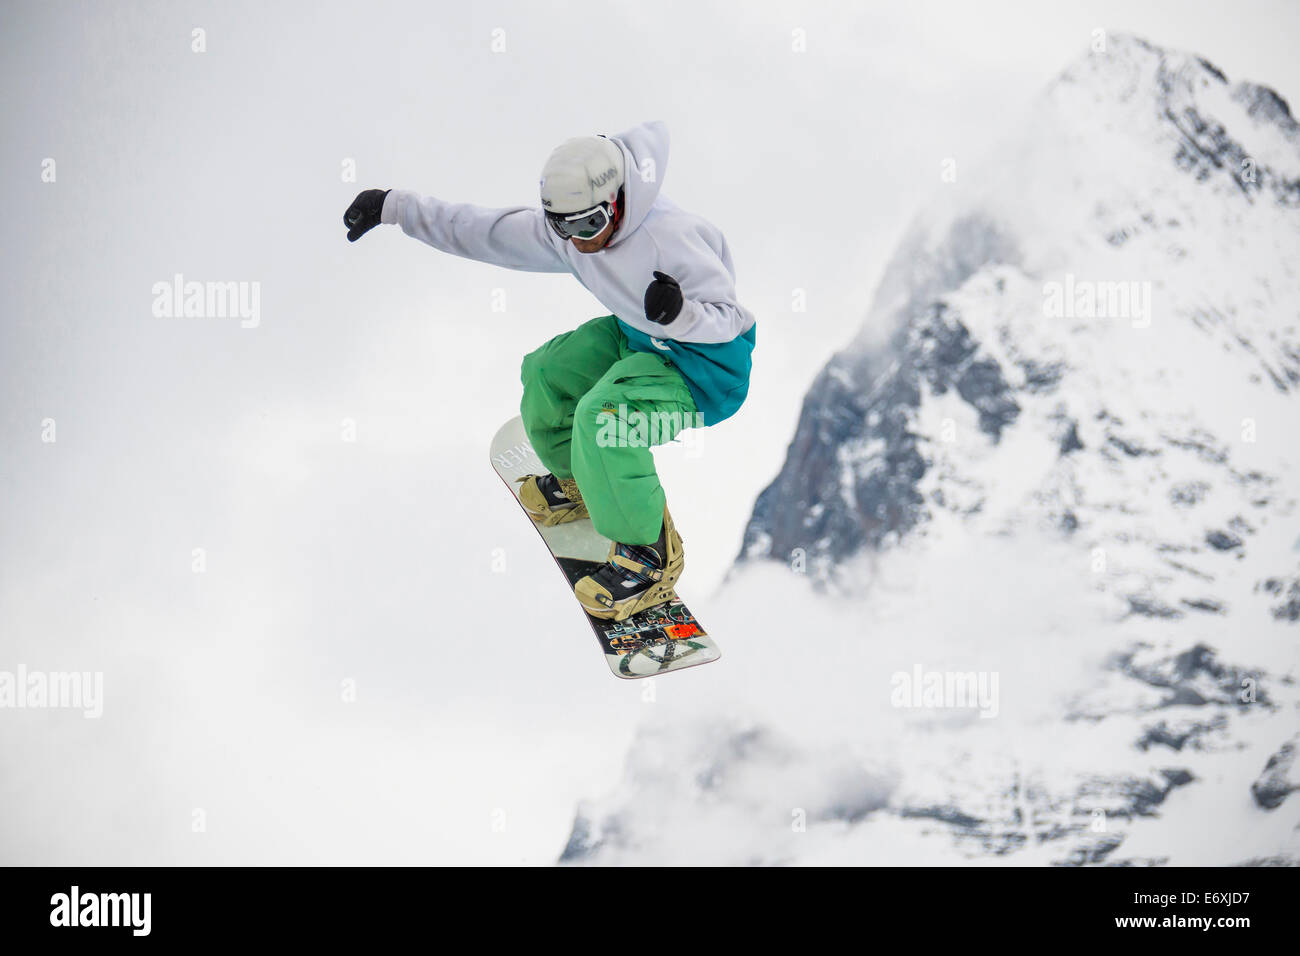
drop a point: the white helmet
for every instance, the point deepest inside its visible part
(582, 173)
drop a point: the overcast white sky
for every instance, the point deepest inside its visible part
(479, 692)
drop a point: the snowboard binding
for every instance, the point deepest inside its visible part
(550, 501)
(635, 577)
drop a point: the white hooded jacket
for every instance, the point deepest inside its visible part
(654, 234)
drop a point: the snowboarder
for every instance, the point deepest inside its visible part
(674, 353)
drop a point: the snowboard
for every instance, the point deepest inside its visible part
(654, 641)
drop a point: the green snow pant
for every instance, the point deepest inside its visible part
(592, 407)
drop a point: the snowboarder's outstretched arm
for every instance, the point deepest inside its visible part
(514, 238)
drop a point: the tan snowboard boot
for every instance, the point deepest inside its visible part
(550, 500)
(637, 576)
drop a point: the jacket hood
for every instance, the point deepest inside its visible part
(645, 160)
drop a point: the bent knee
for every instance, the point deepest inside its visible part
(530, 369)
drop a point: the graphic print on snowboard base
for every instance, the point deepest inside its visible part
(655, 641)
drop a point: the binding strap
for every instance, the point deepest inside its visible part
(654, 574)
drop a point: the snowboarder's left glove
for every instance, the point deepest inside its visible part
(363, 215)
(663, 299)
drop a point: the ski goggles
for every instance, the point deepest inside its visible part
(580, 225)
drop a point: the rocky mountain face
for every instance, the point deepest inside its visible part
(1142, 172)
(1073, 410)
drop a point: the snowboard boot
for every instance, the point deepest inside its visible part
(550, 500)
(636, 577)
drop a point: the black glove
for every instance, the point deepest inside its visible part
(363, 214)
(663, 299)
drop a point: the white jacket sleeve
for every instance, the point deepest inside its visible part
(701, 263)
(515, 238)
(708, 322)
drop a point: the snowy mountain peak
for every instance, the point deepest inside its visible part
(1060, 457)
(1056, 318)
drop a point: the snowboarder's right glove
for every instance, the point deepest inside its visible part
(363, 215)
(663, 299)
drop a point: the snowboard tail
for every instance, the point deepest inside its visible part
(657, 640)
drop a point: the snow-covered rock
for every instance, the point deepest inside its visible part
(1280, 777)
(1062, 452)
